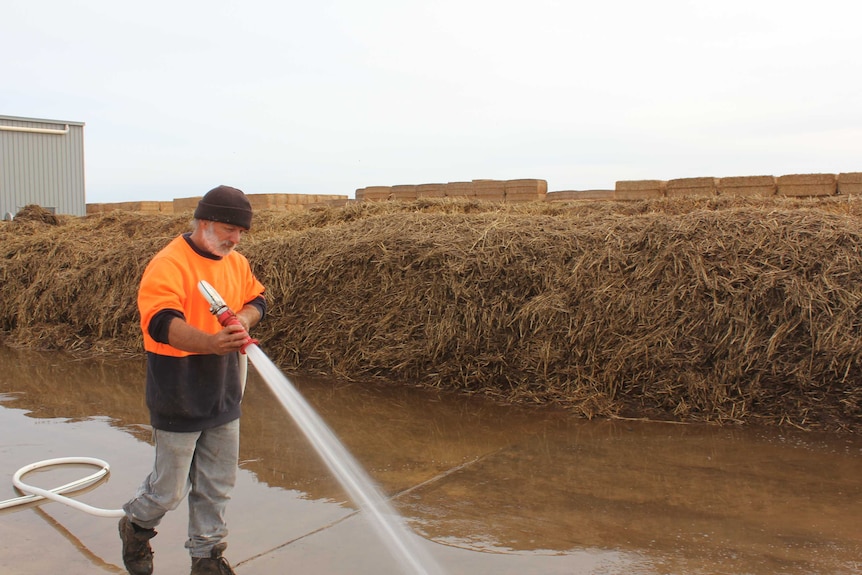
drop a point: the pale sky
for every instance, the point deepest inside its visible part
(327, 96)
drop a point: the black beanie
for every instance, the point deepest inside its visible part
(226, 205)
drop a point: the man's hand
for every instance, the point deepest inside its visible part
(248, 316)
(231, 338)
(188, 338)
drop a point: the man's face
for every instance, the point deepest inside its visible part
(221, 238)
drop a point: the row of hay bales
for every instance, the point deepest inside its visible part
(791, 185)
(523, 190)
(527, 190)
(534, 190)
(286, 202)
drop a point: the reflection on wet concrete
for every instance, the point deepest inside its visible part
(687, 497)
(495, 489)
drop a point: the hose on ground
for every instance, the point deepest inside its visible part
(56, 494)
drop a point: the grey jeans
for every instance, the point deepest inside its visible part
(200, 464)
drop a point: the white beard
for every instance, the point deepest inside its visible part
(213, 244)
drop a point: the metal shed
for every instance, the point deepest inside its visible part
(42, 163)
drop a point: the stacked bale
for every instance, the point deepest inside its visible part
(404, 192)
(806, 185)
(152, 207)
(692, 187)
(291, 202)
(492, 190)
(182, 205)
(459, 190)
(579, 195)
(850, 183)
(525, 190)
(430, 191)
(749, 186)
(327, 202)
(640, 189)
(266, 201)
(376, 193)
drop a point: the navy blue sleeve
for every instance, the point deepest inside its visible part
(161, 322)
(260, 303)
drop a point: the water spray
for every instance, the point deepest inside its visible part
(387, 523)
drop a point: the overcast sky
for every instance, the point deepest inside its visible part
(327, 96)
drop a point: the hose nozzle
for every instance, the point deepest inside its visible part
(223, 313)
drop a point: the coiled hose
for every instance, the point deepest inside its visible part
(56, 494)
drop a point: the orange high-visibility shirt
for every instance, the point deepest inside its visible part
(170, 282)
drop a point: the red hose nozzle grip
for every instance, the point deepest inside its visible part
(226, 318)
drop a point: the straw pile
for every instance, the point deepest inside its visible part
(719, 309)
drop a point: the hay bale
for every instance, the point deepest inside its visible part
(377, 193)
(807, 185)
(639, 189)
(850, 183)
(294, 207)
(145, 207)
(526, 190)
(404, 192)
(166, 207)
(579, 195)
(526, 186)
(489, 189)
(328, 203)
(747, 186)
(265, 201)
(692, 187)
(150, 207)
(430, 191)
(459, 190)
(182, 205)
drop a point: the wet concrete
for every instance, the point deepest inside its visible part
(487, 488)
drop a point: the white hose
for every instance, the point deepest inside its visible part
(55, 494)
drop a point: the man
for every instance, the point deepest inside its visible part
(194, 385)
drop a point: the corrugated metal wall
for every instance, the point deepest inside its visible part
(42, 162)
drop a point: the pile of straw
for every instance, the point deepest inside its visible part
(720, 309)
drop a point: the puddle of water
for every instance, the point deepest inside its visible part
(492, 489)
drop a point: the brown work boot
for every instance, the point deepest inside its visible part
(137, 553)
(215, 564)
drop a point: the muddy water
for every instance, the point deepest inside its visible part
(487, 488)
